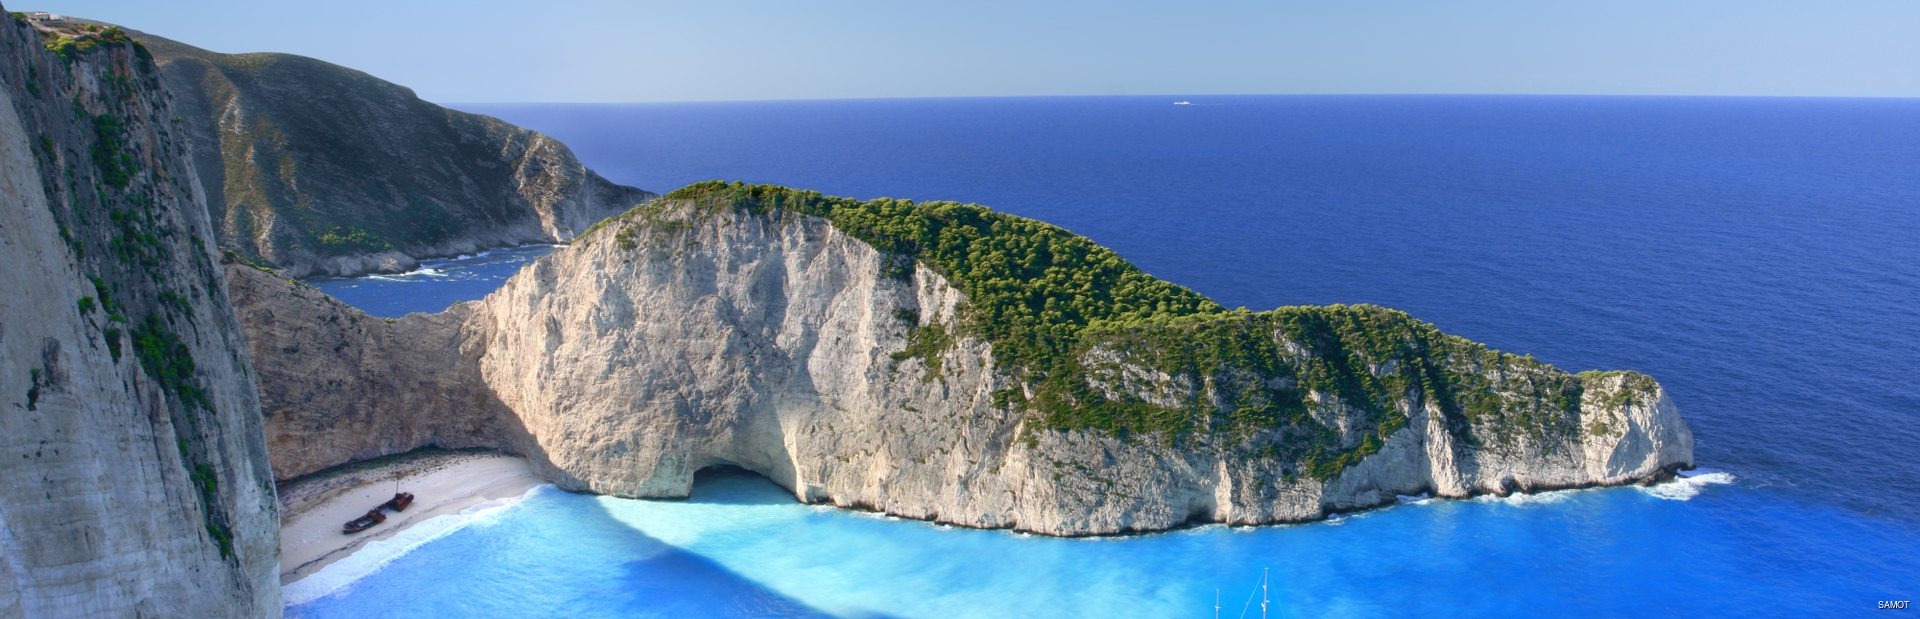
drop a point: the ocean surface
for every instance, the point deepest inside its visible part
(436, 284)
(1761, 257)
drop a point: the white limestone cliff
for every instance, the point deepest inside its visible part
(133, 477)
(628, 362)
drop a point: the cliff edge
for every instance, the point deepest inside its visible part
(133, 477)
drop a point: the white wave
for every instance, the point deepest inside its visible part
(1522, 499)
(1422, 499)
(423, 271)
(1204, 529)
(409, 276)
(1688, 484)
(1536, 498)
(377, 554)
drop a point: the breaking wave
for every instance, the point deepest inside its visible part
(1688, 484)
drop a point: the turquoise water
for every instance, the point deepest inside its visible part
(740, 547)
(1758, 256)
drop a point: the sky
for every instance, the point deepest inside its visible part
(483, 51)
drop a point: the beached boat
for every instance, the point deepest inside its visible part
(398, 503)
(364, 522)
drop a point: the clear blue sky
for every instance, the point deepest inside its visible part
(608, 50)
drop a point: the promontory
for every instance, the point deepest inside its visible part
(933, 360)
(939, 361)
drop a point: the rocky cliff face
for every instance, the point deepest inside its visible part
(339, 386)
(688, 334)
(324, 170)
(133, 477)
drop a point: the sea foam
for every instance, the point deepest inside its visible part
(1688, 485)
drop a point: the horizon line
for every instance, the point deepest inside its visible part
(1182, 97)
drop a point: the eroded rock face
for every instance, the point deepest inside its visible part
(767, 342)
(324, 170)
(678, 341)
(339, 386)
(133, 477)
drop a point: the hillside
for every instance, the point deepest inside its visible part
(324, 170)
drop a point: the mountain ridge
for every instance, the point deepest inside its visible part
(325, 170)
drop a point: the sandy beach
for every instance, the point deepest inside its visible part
(313, 508)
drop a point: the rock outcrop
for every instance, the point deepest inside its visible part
(324, 170)
(768, 329)
(340, 386)
(133, 475)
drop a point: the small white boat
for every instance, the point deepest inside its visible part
(1183, 102)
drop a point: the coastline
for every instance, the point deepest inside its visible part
(420, 263)
(443, 483)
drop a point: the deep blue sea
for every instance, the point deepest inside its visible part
(436, 284)
(1761, 257)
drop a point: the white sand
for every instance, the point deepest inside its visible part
(443, 483)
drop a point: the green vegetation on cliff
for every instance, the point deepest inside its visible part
(120, 202)
(1097, 344)
(88, 38)
(1032, 286)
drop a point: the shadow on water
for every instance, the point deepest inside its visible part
(658, 579)
(668, 581)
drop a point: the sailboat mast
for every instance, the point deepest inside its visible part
(1263, 592)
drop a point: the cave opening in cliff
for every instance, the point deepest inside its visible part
(729, 483)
